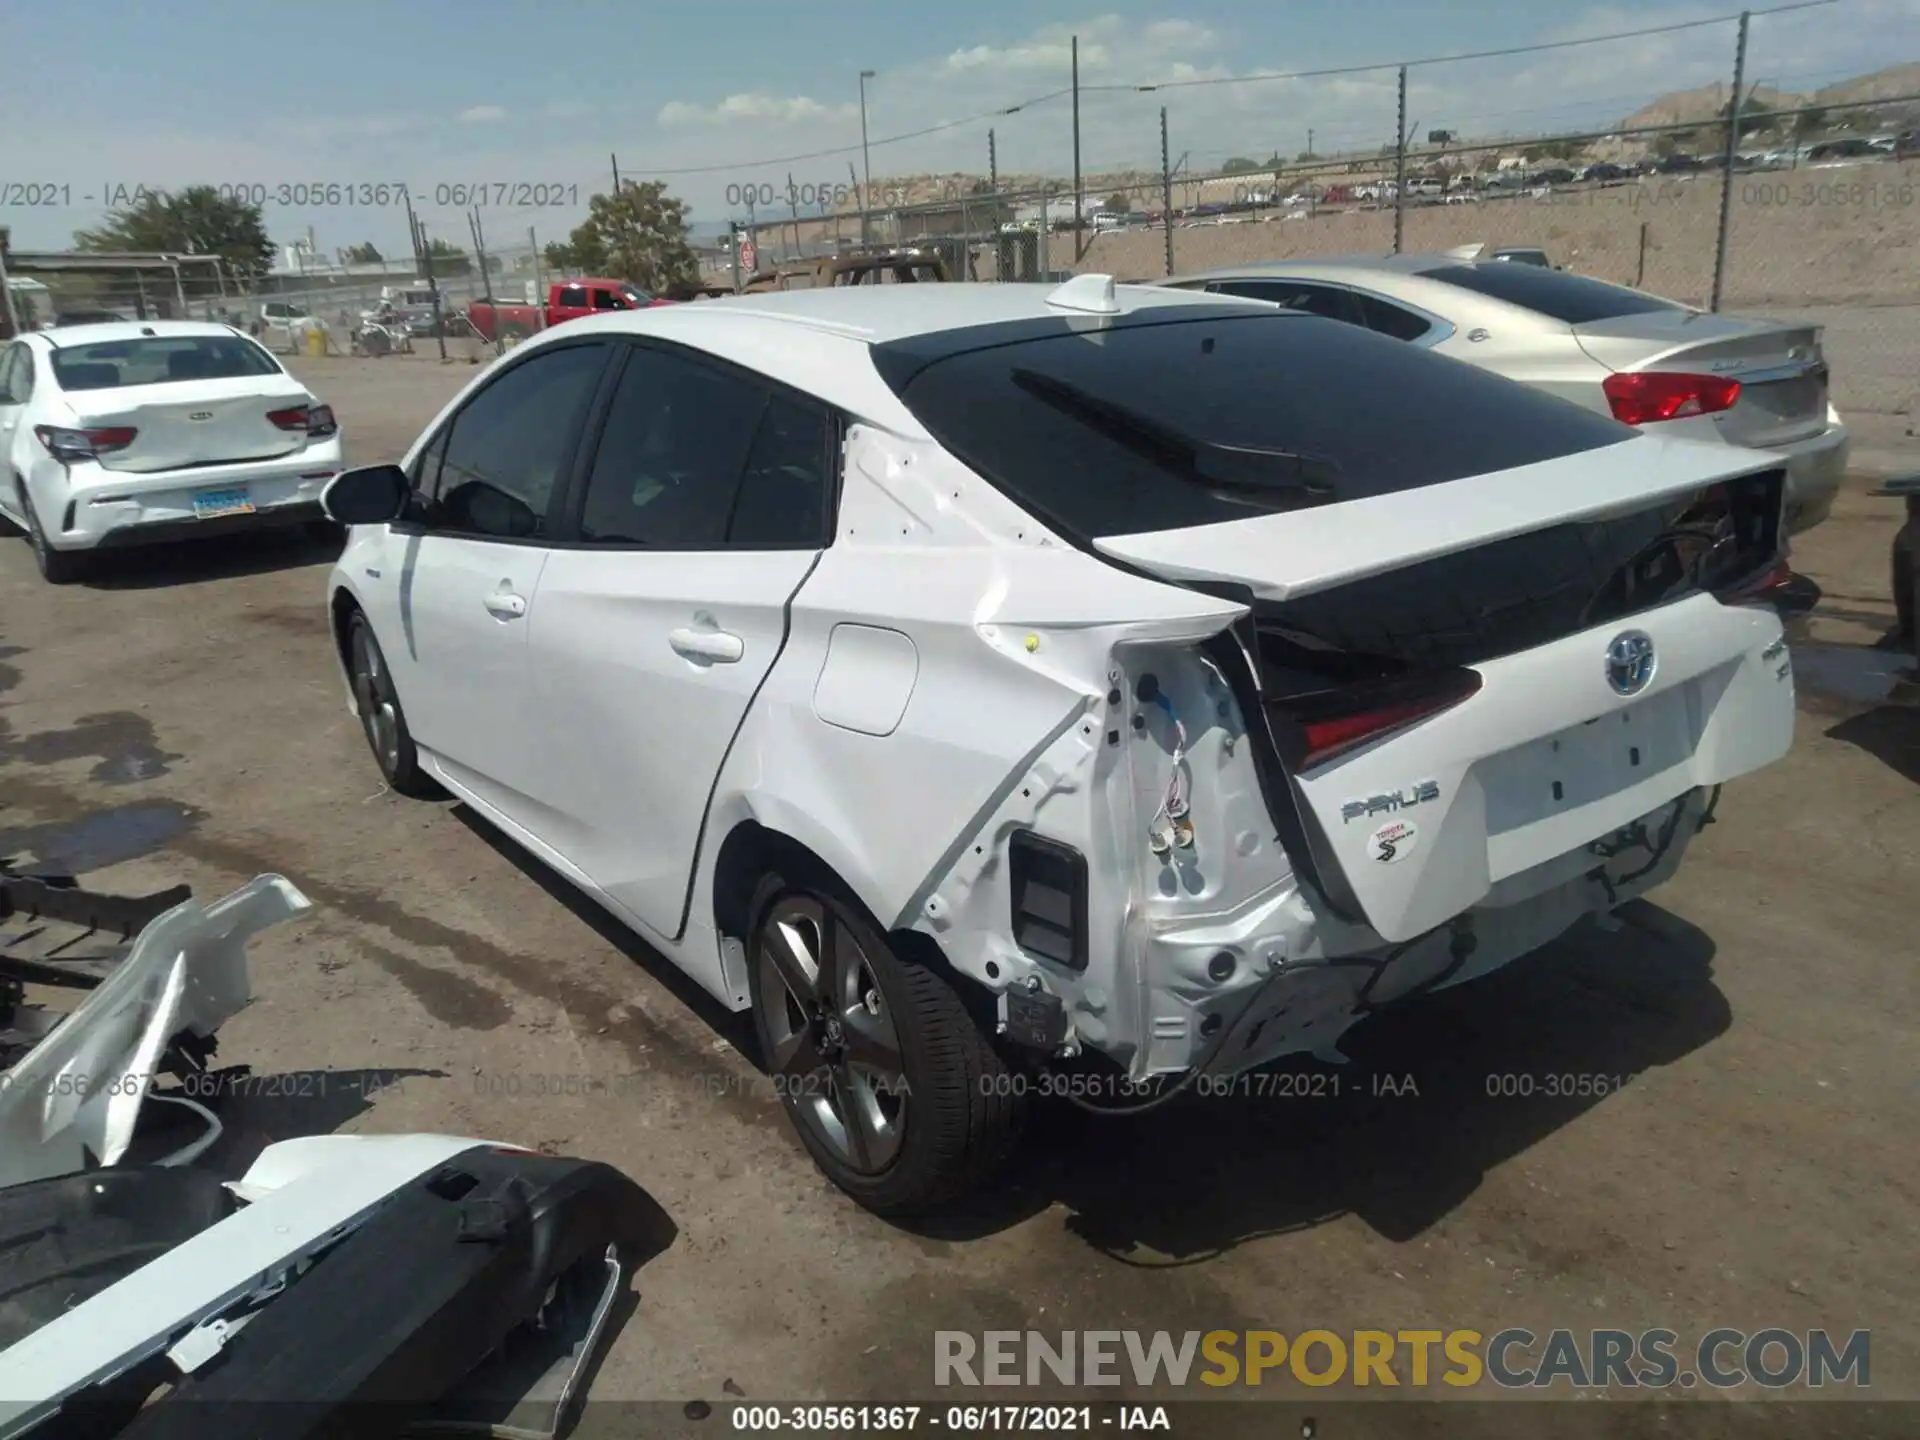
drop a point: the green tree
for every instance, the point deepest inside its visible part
(363, 255)
(981, 187)
(638, 235)
(1239, 165)
(1118, 203)
(1305, 157)
(448, 259)
(558, 255)
(196, 221)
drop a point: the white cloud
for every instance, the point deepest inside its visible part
(1053, 55)
(1179, 35)
(481, 114)
(753, 107)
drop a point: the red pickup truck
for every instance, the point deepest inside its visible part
(566, 300)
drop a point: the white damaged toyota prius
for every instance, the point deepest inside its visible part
(983, 681)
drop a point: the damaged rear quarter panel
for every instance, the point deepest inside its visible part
(1013, 634)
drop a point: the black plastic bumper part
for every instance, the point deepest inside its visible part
(409, 1305)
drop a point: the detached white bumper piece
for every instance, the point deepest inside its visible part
(73, 1101)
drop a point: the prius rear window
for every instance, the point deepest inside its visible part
(1085, 423)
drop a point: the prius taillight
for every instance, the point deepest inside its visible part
(1646, 397)
(1320, 727)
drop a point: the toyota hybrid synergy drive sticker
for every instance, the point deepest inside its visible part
(1392, 842)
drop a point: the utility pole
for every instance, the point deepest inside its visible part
(425, 251)
(486, 278)
(1166, 188)
(616, 172)
(6, 288)
(1726, 170)
(1309, 140)
(1400, 167)
(1079, 199)
(855, 179)
(993, 166)
(539, 297)
(866, 165)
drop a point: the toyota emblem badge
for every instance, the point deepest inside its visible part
(1630, 662)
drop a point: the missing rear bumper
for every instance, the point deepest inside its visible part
(163, 532)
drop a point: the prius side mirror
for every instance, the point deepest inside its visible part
(370, 495)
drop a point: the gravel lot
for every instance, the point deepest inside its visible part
(181, 719)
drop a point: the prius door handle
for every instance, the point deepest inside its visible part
(504, 605)
(711, 645)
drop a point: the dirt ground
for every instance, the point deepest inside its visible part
(181, 718)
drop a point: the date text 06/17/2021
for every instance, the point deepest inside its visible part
(300, 194)
(226, 1084)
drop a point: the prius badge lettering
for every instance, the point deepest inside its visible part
(1386, 804)
(201, 415)
(1630, 662)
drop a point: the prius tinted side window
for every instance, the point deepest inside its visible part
(787, 488)
(511, 444)
(668, 465)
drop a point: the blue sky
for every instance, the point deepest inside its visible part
(505, 94)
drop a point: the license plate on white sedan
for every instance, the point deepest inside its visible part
(210, 503)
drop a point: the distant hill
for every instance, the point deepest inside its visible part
(1695, 107)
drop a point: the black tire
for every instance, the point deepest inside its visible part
(57, 567)
(952, 1111)
(325, 532)
(1906, 590)
(382, 720)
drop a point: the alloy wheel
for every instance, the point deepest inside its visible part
(835, 1049)
(373, 695)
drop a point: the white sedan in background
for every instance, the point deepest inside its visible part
(148, 431)
(1693, 375)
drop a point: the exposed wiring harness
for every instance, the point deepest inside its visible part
(1176, 799)
(1635, 837)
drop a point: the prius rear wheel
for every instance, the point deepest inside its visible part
(894, 1089)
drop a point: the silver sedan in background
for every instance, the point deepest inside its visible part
(1644, 360)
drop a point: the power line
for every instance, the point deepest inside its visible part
(941, 128)
(1502, 53)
